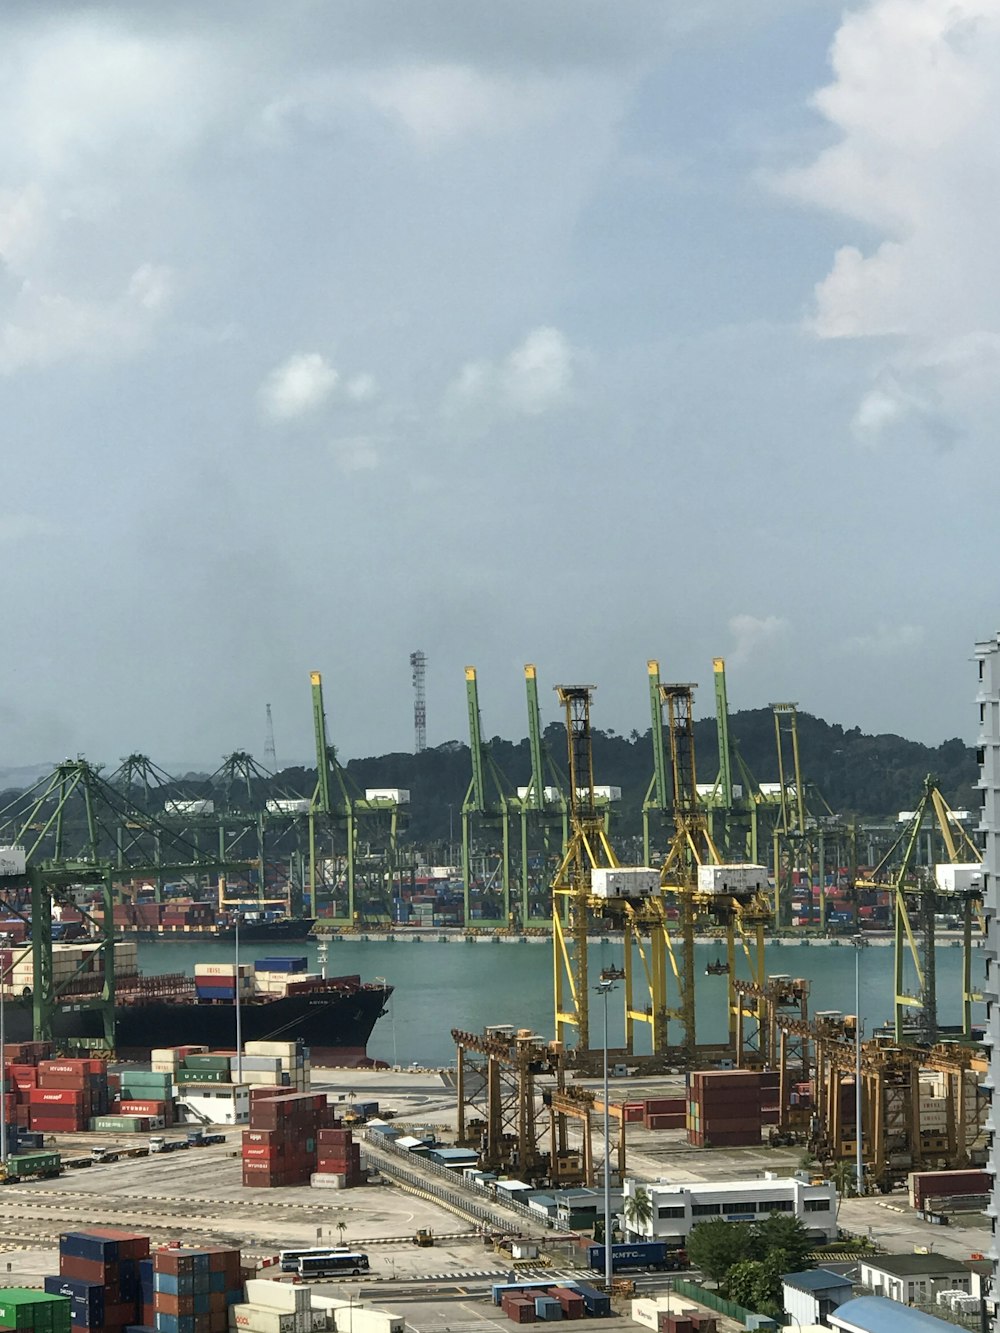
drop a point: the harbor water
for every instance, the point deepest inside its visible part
(440, 986)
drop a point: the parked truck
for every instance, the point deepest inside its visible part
(652, 1254)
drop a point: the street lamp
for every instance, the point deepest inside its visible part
(604, 988)
(859, 943)
(4, 1148)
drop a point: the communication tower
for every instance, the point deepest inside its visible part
(270, 757)
(418, 661)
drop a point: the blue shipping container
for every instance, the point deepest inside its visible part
(643, 1254)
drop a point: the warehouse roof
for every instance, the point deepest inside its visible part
(877, 1314)
(816, 1279)
(914, 1265)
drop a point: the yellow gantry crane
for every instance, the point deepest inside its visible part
(915, 891)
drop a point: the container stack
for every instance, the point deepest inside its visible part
(665, 1113)
(99, 1270)
(217, 982)
(186, 917)
(281, 1145)
(147, 1095)
(274, 974)
(194, 1289)
(770, 1097)
(67, 1094)
(273, 1307)
(338, 1160)
(25, 1310)
(724, 1108)
(21, 1060)
(276, 1064)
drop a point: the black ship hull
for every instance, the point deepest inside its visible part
(293, 930)
(334, 1024)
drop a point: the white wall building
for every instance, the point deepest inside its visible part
(914, 1278)
(988, 699)
(809, 1298)
(678, 1208)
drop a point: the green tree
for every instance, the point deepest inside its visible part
(785, 1234)
(756, 1283)
(638, 1209)
(716, 1246)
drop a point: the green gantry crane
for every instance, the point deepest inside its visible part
(486, 806)
(543, 809)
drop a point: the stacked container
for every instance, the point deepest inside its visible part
(723, 1108)
(273, 1307)
(338, 1160)
(146, 1094)
(21, 1059)
(24, 1309)
(665, 1113)
(193, 1289)
(67, 1094)
(281, 1145)
(99, 1270)
(186, 917)
(218, 981)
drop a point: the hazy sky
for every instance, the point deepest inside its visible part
(563, 331)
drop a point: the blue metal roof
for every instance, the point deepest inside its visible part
(816, 1279)
(877, 1314)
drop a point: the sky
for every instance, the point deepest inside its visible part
(575, 333)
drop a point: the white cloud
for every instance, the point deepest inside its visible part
(40, 328)
(356, 453)
(535, 377)
(752, 634)
(886, 640)
(361, 388)
(914, 101)
(298, 386)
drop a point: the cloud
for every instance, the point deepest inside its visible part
(753, 634)
(40, 327)
(298, 386)
(356, 453)
(914, 103)
(536, 377)
(886, 640)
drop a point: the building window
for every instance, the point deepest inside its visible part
(670, 1212)
(704, 1210)
(744, 1206)
(776, 1206)
(817, 1205)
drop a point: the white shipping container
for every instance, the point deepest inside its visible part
(222, 969)
(13, 860)
(277, 1295)
(624, 882)
(602, 792)
(287, 806)
(260, 1319)
(959, 878)
(737, 877)
(284, 1048)
(398, 795)
(189, 807)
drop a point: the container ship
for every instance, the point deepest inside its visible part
(333, 1016)
(180, 920)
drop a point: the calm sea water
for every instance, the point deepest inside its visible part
(441, 986)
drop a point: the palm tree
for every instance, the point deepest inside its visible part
(638, 1209)
(341, 1227)
(843, 1178)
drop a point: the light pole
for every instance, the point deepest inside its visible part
(606, 985)
(859, 943)
(4, 1148)
(239, 1016)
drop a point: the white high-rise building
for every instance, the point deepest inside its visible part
(988, 698)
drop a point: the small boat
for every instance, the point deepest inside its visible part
(719, 968)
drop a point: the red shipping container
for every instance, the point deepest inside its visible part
(88, 1270)
(259, 1152)
(142, 1108)
(56, 1097)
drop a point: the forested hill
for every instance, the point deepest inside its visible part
(868, 776)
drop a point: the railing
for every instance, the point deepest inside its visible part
(392, 1157)
(713, 1300)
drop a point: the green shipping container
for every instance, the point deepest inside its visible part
(203, 1062)
(136, 1079)
(19, 1163)
(117, 1124)
(22, 1308)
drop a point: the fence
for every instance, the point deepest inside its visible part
(714, 1301)
(443, 1184)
